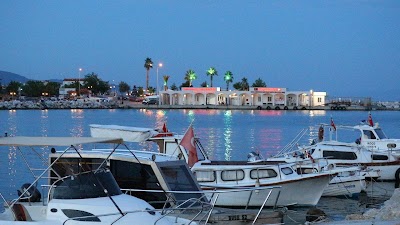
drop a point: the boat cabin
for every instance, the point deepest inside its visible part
(150, 176)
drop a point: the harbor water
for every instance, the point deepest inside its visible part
(225, 135)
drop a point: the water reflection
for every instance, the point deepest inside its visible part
(44, 122)
(78, 123)
(228, 134)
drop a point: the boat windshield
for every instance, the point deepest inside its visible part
(380, 133)
(86, 185)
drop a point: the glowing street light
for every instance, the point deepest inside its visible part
(79, 82)
(158, 92)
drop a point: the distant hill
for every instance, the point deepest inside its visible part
(7, 77)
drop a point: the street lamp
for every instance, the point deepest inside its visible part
(158, 92)
(79, 82)
(159, 66)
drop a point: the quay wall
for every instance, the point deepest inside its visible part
(118, 104)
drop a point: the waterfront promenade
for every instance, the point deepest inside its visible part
(119, 104)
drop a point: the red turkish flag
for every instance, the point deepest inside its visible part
(371, 123)
(188, 143)
(333, 124)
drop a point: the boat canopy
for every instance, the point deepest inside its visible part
(129, 134)
(55, 141)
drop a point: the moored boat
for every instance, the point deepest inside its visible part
(222, 175)
(83, 196)
(168, 184)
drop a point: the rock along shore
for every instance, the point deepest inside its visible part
(118, 104)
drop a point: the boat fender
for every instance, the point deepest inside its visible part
(331, 166)
(397, 175)
(321, 133)
(32, 195)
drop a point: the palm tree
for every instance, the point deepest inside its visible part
(148, 65)
(190, 76)
(212, 72)
(228, 78)
(166, 77)
(242, 86)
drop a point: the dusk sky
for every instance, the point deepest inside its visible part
(346, 48)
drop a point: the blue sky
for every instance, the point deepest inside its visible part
(346, 48)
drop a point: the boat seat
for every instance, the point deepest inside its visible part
(20, 212)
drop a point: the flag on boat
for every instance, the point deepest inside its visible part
(164, 128)
(370, 122)
(188, 142)
(164, 132)
(333, 124)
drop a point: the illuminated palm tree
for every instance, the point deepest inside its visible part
(166, 77)
(228, 78)
(148, 65)
(190, 76)
(212, 72)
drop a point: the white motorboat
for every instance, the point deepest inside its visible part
(346, 154)
(82, 196)
(168, 184)
(349, 182)
(370, 135)
(296, 189)
(222, 175)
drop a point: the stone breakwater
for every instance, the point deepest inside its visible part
(60, 104)
(110, 103)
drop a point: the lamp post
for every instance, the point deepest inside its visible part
(158, 92)
(79, 82)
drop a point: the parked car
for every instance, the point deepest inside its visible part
(150, 101)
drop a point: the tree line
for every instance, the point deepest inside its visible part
(191, 75)
(93, 84)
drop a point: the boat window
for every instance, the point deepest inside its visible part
(379, 157)
(86, 185)
(205, 175)
(287, 170)
(380, 133)
(232, 175)
(369, 134)
(339, 155)
(131, 175)
(262, 173)
(306, 170)
(180, 178)
(85, 216)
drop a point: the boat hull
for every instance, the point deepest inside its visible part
(301, 192)
(349, 186)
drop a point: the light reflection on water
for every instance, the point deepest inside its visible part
(228, 134)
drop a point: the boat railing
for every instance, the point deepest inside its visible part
(204, 204)
(290, 146)
(136, 152)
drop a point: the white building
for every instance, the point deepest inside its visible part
(257, 96)
(66, 92)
